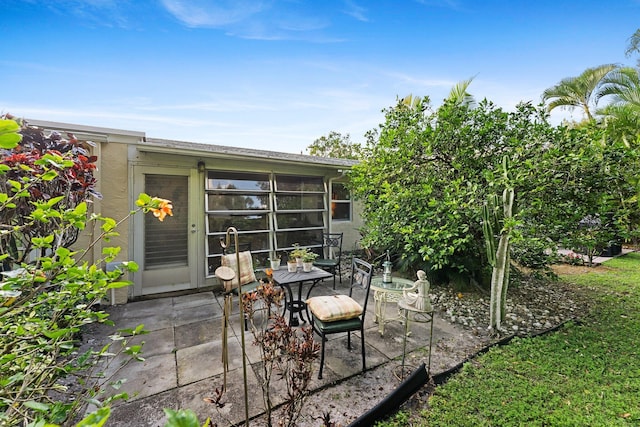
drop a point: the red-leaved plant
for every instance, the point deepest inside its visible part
(29, 173)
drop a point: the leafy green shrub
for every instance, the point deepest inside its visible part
(425, 174)
(534, 253)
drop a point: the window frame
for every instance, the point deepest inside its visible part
(280, 184)
(348, 202)
(280, 231)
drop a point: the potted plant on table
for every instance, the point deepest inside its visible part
(307, 260)
(274, 259)
(292, 265)
(297, 253)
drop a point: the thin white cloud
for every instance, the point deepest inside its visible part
(214, 14)
(37, 66)
(282, 28)
(80, 115)
(223, 107)
(97, 13)
(356, 11)
(257, 20)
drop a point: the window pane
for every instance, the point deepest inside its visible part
(286, 239)
(299, 183)
(221, 180)
(259, 242)
(237, 202)
(300, 220)
(297, 202)
(220, 223)
(341, 211)
(165, 243)
(339, 192)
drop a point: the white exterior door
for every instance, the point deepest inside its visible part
(166, 252)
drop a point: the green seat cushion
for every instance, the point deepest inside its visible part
(325, 262)
(339, 326)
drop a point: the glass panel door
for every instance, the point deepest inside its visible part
(167, 251)
(166, 242)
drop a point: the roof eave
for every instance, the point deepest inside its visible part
(220, 151)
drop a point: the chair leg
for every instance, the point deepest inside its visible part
(323, 339)
(334, 279)
(364, 363)
(348, 340)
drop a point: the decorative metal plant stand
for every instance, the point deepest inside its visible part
(227, 274)
(418, 316)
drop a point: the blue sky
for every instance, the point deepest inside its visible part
(278, 74)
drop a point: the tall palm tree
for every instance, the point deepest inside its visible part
(578, 92)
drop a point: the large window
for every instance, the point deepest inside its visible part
(340, 202)
(299, 211)
(270, 212)
(241, 200)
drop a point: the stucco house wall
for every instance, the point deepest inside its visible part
(126, 158)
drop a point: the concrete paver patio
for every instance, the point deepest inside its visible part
(183, 368)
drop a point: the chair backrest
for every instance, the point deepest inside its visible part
(247, 275)
(332, 245)
(361, 274)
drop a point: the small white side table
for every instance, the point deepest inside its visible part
(384, 293)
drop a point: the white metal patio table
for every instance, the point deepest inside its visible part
(384, 293)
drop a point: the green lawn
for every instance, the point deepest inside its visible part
(585, 374)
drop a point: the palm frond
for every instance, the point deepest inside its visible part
(580, 91)
(459, 95)
(634, 43)
(617, 82)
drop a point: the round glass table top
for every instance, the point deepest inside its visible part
(397, 284)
